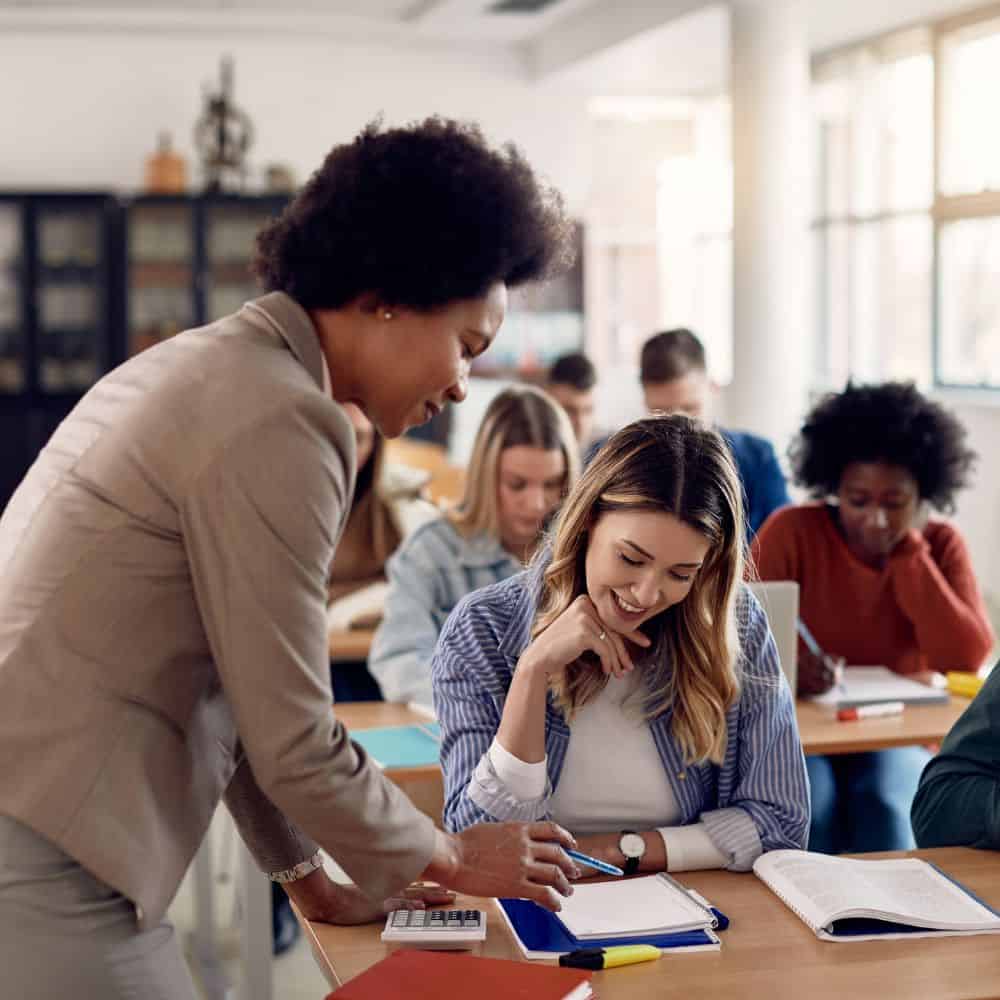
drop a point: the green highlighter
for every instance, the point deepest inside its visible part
(608, 958)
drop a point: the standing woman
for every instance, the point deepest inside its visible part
(163, 573)
(627, 685)
(880, 581)
(524, 459)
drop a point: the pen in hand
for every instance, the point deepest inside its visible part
(601, 866)
(814, 647)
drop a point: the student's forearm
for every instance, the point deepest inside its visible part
(950, 631)
(522, 725)
(604, 847)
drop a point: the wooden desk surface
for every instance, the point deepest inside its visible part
(350, 644)
(820, 731)
(766, 952)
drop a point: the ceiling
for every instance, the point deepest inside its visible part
(651, 47)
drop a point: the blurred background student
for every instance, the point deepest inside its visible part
(571, 383)
(524, 459)
(881, 582)
(674, 376)
(388, 506)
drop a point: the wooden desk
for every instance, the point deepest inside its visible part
(350, 644)
(821, 733)
(767, 951)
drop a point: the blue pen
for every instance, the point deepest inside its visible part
(601, 866)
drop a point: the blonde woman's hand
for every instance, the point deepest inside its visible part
(577, 631)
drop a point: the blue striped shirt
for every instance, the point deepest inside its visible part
(757, 800)
(428, 575)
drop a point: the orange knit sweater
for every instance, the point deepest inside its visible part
(921, 611)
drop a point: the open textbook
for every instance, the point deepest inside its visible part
(846, 899)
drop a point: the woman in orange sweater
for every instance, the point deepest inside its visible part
(880, 582)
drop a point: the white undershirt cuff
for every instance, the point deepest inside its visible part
(523, 780)
(690, 848)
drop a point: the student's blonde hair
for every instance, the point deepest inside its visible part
(674, 465)
(520, 415)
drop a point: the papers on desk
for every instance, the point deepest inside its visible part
(631, 908)
(871, 685)
(541, 935)
(847, 899)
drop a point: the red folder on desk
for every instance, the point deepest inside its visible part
(431, 975)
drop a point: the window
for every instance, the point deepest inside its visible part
(967, 209)
(906, 263)
(873, 122)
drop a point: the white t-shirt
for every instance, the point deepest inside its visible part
(612, 779)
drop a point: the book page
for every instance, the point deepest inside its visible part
(822, 889)
(924, 896)
(630, 907)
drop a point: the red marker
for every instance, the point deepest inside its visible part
(870, 711)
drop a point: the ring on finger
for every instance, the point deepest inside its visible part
(603, 635)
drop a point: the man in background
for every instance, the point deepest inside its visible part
(571, 382)
(674, 376)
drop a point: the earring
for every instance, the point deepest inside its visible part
(387, 314)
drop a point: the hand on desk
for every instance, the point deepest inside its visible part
(318, 897)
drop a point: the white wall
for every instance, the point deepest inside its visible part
(83, 108)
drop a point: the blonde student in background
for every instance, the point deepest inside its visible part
(523, 461)
(627, 684)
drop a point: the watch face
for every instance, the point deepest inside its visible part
(632, 845)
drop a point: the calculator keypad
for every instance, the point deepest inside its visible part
(422, 920)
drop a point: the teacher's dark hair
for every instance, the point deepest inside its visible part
(420, 217)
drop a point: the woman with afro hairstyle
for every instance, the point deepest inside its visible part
(880, 582)
(164, 567)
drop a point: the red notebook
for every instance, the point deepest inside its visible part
(430, 975)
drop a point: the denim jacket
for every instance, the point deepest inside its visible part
(757, 800)
(428, 575)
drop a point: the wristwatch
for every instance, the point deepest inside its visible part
(633, 847)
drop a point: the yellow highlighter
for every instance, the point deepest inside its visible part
(966, 685)
(608, 958)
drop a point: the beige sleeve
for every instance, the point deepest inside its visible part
(261, 524)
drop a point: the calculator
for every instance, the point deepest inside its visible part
(436, 930)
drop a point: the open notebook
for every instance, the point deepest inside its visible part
(633, 907)
(871, 685)
(846, 899)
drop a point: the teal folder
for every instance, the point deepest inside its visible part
(401, 746)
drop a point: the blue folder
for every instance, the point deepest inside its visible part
(540, 930)
(401, 746)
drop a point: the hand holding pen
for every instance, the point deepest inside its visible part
(818, 671)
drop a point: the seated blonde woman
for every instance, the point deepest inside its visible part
(627, 685)
(388, 506)
(524, 459)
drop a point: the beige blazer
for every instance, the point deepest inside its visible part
(162, 620)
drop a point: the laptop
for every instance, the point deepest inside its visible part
(780, 600)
